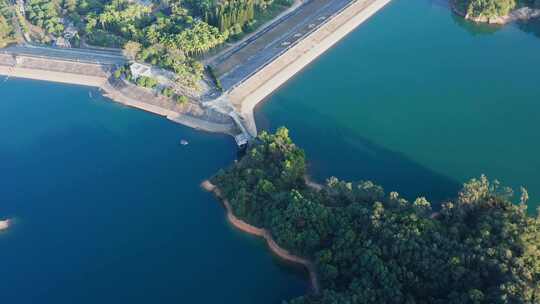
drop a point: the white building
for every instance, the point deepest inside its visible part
(163, 77)
(61, 42)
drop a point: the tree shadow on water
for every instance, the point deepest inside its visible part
(333, 150)
(474, 28)
(531, 26)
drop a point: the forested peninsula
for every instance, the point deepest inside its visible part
(369, 246)
(497, 11)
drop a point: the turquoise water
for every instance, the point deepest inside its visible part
(107, 208)
(420, 101)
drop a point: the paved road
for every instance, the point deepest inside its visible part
(79, 55)
(237, 65)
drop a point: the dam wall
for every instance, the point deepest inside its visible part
(69, 72)
(319, 25)
(246, 95)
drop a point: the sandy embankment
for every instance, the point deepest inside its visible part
(109, 92)
(53, 76)
(85, 80)
(274, 247)
(263, 83)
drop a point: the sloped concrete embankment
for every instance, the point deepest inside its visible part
(253, 90)
(54, 70)
(96, 75)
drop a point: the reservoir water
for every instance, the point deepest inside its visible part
(107, 208)
(106, 202)
(420, 101)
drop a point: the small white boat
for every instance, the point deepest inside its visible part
(4, 224)
(184, 142)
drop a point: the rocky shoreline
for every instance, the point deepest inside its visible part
(274, 247)
(520, 14)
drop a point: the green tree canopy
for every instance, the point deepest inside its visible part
(373, 247)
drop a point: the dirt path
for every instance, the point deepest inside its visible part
(274, 247)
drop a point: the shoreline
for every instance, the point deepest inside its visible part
(52, 76)
(263, 233)
(519, 14)
(246, 96)
(242, 99)
(111, 93)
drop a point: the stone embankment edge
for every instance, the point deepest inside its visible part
(263, 233)
(113, 94)
(266, 81)
(520, 14)
(52, 76)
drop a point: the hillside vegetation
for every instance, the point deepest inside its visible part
(492, 8)
(6, 29)
(375, 247)
(171, 34)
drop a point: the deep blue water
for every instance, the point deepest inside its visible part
(107, 208)
(107, 204)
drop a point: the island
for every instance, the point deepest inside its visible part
(496, 11)
(368, 246)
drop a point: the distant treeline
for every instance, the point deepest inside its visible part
(228, 14)
(375, 247)
(6, 29)
(492, 8)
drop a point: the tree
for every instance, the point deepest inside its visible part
(131, 49)
(181, 99)
(70, 5)
(372, 247)
(6, 32)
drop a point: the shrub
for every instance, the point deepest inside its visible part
(181, 99)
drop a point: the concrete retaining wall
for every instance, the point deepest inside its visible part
(252, 91)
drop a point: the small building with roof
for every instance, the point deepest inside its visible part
(163, 77)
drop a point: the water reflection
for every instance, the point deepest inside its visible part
(530, 27)
(473, 28)
(335, 150)
(440, 3)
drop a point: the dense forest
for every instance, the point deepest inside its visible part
(45, 14)
(170, 34)
(375, 247)
(6, 29)
(492, 8)
(235, 16)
